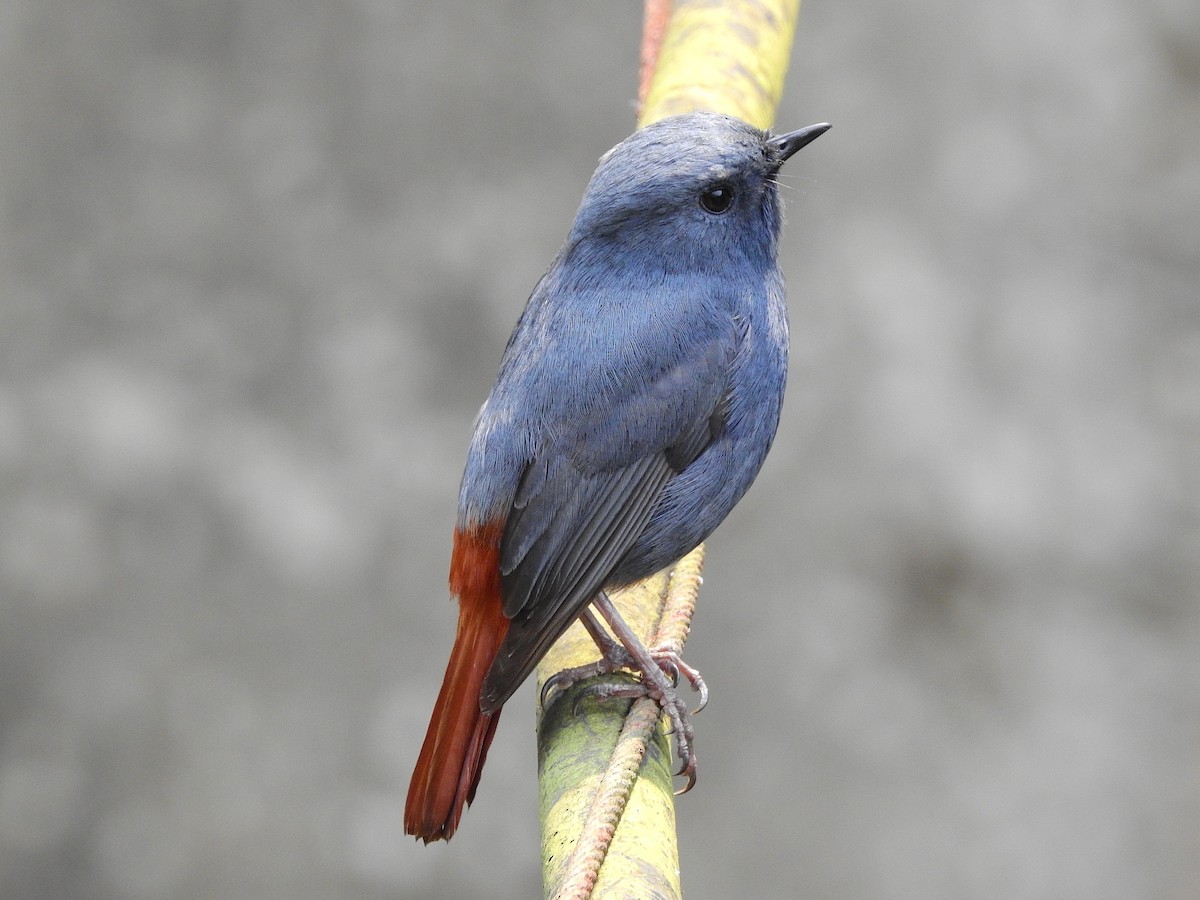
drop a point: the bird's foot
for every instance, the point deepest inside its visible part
(659, 669)
(613, 658)
(563, 681)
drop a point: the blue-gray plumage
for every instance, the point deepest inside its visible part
(641, 388)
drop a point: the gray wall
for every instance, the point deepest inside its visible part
(258, 260)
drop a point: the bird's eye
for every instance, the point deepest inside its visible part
(717, 198)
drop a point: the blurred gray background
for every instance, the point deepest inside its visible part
(258, 260)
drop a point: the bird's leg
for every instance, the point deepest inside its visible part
(611, 650)
(654, 666)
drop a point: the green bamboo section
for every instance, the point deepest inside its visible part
(604, 782)
(606, 792)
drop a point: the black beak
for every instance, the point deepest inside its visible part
(784, 145)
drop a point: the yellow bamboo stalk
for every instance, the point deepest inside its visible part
(728, 57)
(606, 792)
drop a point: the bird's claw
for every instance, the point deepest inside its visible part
(689, 769)
(672, 661)
(681, 728)
(614, 660)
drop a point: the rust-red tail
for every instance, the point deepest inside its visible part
(459, 734)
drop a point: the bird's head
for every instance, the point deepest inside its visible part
(694, 191)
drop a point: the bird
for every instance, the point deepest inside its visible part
(635, 403)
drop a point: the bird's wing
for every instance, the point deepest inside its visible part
(587, 495)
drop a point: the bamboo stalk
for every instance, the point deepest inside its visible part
(607, 802)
